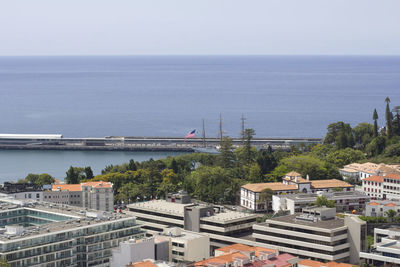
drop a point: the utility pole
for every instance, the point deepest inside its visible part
(243, 119)
(204, 135)
(220, 127)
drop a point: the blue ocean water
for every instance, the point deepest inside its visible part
(285, 96)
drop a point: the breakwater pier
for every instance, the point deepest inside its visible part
(126, 143)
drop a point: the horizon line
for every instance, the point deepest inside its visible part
(200, 55)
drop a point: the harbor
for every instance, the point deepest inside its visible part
(126, 143)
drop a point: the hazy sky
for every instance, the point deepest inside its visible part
(122, 27)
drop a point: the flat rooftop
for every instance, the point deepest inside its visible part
(177, 209)
(326, 224)
(53, 217)
(334, 195)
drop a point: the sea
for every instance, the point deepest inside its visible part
(97, 96)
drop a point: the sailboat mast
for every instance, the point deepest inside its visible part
(204, 135)
(220, 127)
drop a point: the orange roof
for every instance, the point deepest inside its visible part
(99, 184)
(66, 187)
(56, 181)
(143, 264)
(293, 173)
(373, 204)
(392, 176)
(311, 263)
(390, 205)
(223, 259)
(331, 183)
(300, 180)
(273, 186)
(374, 178)
(244, 248)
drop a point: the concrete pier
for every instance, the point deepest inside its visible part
(125, 143)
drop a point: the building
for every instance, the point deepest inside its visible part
(382, 187)
(150, 263)
(45, 234)
(311, 263)
(360, 171)
(386, 250)
(90, 195)
(223, 226)
(248, 256)
(172, 245)
(378, 208)
(344, 201)
(291, 183)
(316, 234)
(22, 191)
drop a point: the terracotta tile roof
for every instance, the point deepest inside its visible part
(261, 249)
(143, 264)
(390, 205)
(221, 259)
(237, 247)
(393, 176)
(373, 204)
(66, 187)
(300, 180)
(311, 263)
(374, 178)
(331, 183)
(280, 260)
(273, 186)
(99, 184)
(293, 173)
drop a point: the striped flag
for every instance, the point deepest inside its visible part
(191, 134)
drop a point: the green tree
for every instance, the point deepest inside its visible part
(345, 156)
(340, 134)
(363, 134)
(248, 136)
(226, 157)
(132, 165)
(396, 120)
(88, 173)
(321, 151)
(44, 179)
(266, 197)
(390, 214)
(323, 201)
(72, 176)
(392, 150)
(4, 262)
(376, 146)
(254, 173)
(32, 178)
(375, 118)
(266, 160)
(389, 118)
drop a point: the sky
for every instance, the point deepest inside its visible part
(199, 27)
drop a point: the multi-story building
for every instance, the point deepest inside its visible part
(291, 183)
(380, 207)
(45, 234)
(382, 187)
(311, 263)
(316, 234)
(386, 250)
(344, 201)
(22, 191)
(223, 226)
(360, 171)
(91, 195)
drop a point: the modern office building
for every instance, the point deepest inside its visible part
(344, 201)
(311, 263)
(291, 183)
(48, 234)
(386, 251)
(316, 234)
(223, 226)
(90, 195)
(172, 245)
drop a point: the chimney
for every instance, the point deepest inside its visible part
(308, 177)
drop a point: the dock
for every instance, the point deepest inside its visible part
(132, 143)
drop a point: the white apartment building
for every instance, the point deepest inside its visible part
(90, 195)
(360, 171)
(344, 201)
(379, 208)
(22, 191)
(44, 234)
(315, 234)
(291, 183)
(382, 187)
(386, 250)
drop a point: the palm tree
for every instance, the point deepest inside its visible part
(375, 118)
(266, 197)
(390, 214)
(396, 110)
